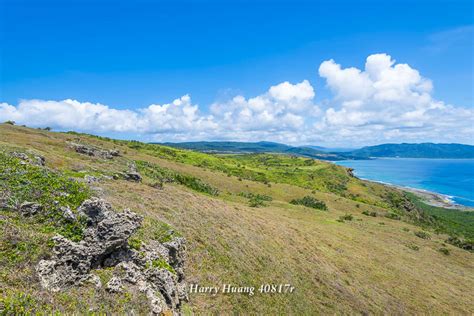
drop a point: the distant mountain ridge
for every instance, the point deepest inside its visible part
(404, 150)
(255, 147)
(422, 150)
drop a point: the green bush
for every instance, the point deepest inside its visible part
(413, 247)
(164, 175)
(393, 216)
(256, 200)
(345, 217)
(17, 303)
(369, 213)
(163, 232)
(135, 243)
(250, 195)
(423, 235)
(310, 201)
(195, 184)
(465, 244)
(162, 264)
(444, 251)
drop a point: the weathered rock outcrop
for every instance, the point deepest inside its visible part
(30, 208)
(156, 269)
(34, 159)
(131, 175)
(95, 151)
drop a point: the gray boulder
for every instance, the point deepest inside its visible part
(91, 179)
(177, 250)
(67, 213)
(35, 160)
(94, 151)
(107, 231)
(30, 208)
(115, 285)
(133, 176)
(129, 176)
(105, 244)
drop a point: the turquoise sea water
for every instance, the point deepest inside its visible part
(451, 177)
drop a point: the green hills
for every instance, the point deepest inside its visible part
(347, 246)
(423, 150)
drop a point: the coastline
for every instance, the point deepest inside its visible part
(432, 198)
(436, 199)
(429, 197)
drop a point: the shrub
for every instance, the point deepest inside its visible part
(135, 243)
(17, 303)
(310, 201)
(444, 251)
(423, 235)
(195, 184)
(413, 247)
(160, 264)
(461, 243)
(256, 200)
(162, 232)
(161, 175)
(393, 216)
(345, 217)
(10, 122)
(369, 213)
(250, 195)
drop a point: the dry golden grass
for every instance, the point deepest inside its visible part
(358, 266)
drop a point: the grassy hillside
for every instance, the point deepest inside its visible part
(346, 245)
(424, 150)
(258, 147)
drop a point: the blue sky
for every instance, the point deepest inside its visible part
(131, 54)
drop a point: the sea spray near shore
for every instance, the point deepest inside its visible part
(451, 180)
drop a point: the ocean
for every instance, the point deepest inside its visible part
(451, 177)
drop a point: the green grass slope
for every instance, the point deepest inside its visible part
(347, 246)
(253, 148)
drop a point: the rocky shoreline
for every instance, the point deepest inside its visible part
(435, 199)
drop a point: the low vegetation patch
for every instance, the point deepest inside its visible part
(444, 251)
(423, 235)
(17, 303)
(160, 231)
(161, 264)
(345, 217)
(53, 193)
(393, 216)
(164, 175)
(135, 243)
(465, 244)
(310, 201)
(256, 200)
(413, 247)
(453, 222)
(370, 213)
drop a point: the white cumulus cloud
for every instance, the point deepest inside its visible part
(388, 102)
(385, 101)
